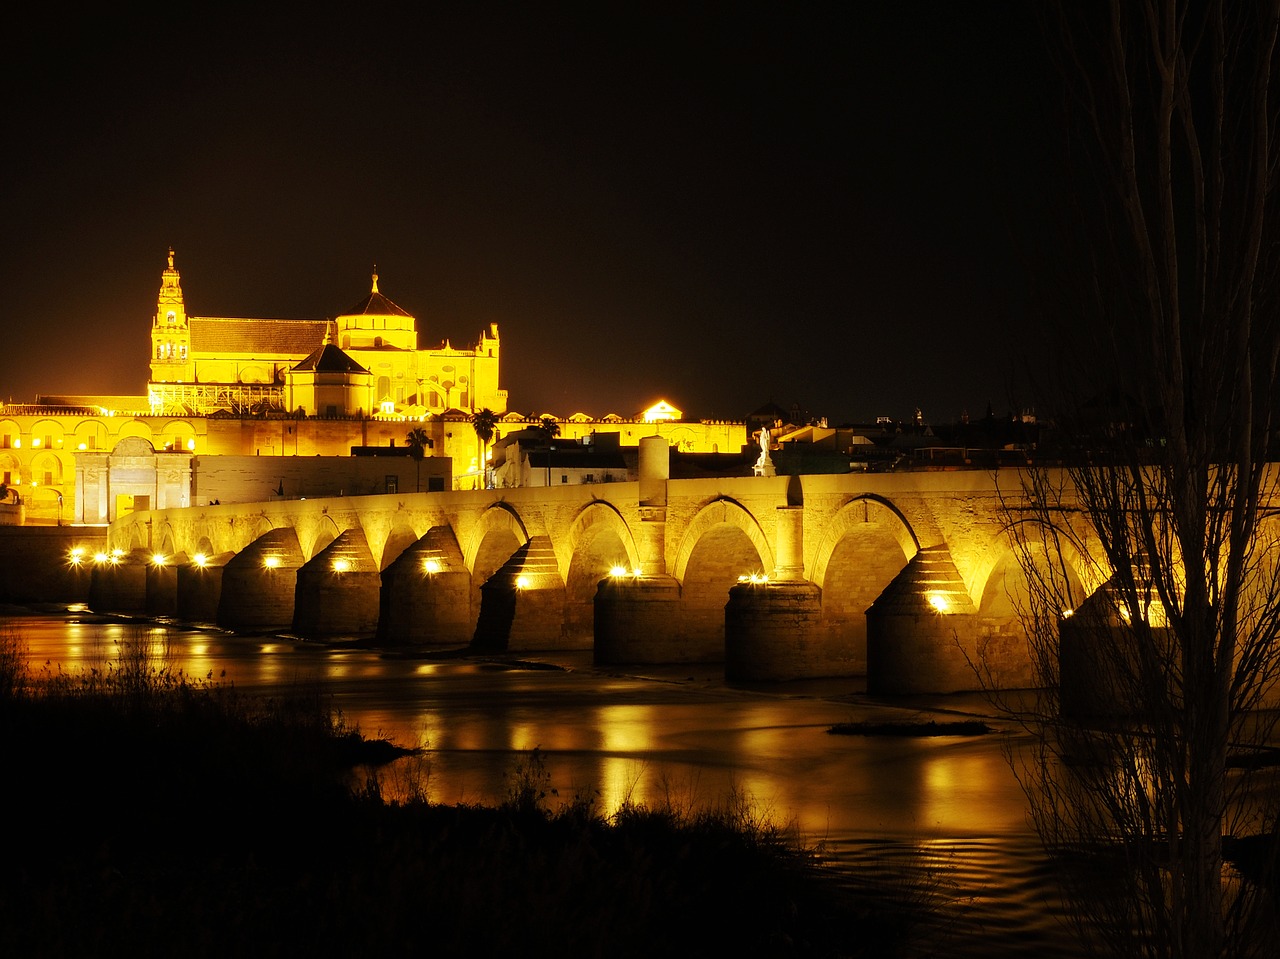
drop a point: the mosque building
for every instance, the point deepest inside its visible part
(364, 362)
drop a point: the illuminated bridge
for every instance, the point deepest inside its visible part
(903, 577)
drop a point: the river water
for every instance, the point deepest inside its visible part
(944, 810)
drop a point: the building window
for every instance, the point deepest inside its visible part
(589, 478)
(392, 484)
(184, 350)
(564, 478)
(48, 442)
(173, 317)
(48, 477)
(6, 442)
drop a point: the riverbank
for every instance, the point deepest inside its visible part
(158, 813)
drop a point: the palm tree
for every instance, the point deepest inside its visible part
(484, 422)
(550, 427)
(418, 442)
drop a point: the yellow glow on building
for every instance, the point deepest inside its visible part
(939, 602)
(523, 582)
(271, 562)
(661, 411)
(341, 565)
(431, 565)
(158, 559)
(199, 560)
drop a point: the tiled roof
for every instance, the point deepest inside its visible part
(223, 335)
(329, 359)
(375, 304)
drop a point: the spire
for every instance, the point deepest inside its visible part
(171, 258)
(375, 278)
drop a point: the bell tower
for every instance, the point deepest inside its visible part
(170, 334)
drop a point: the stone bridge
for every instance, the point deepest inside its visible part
(901, 577)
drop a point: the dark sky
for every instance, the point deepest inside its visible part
(815, 204)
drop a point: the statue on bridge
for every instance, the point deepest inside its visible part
(764, 465)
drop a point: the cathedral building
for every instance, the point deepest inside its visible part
(362, 363)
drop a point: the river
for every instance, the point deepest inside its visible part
(947, 811)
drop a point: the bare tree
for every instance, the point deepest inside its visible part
(1153, 607)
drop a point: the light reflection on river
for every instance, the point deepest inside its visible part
(948, 806)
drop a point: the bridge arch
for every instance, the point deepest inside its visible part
(498, 518)
(399, 538)
(598, 539)
(495, 538)
(598, 516)
(858, 511)
(864, 545)
(722, 543)
(999, 582)
(721, 512)
(164, 540)
(326, 531)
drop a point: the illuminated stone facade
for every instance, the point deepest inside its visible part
(364, 362)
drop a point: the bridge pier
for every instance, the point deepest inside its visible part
(426, 594)
(119, 584)
(922, 632)
(199, 589)
(522, 604)
(162, 587)
(259, 583)
(337, 590)
(774, 631)
(637, 620)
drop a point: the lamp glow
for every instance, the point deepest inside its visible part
(271, 562)
(939, 602)
(431, 565)
(99, 558)
(522, 582)
(76, 555)
(158, 559)
(341, 565)
(200, 560)
(617, 571)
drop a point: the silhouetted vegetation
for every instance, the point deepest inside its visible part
(151, 813)
(967, 727)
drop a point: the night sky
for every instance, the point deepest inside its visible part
(821, 205)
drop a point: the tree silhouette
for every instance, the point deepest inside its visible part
(419, 442)
(484, 422)
(549, 427)
(1164, 282)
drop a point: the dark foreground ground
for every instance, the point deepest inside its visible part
(152, 816)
